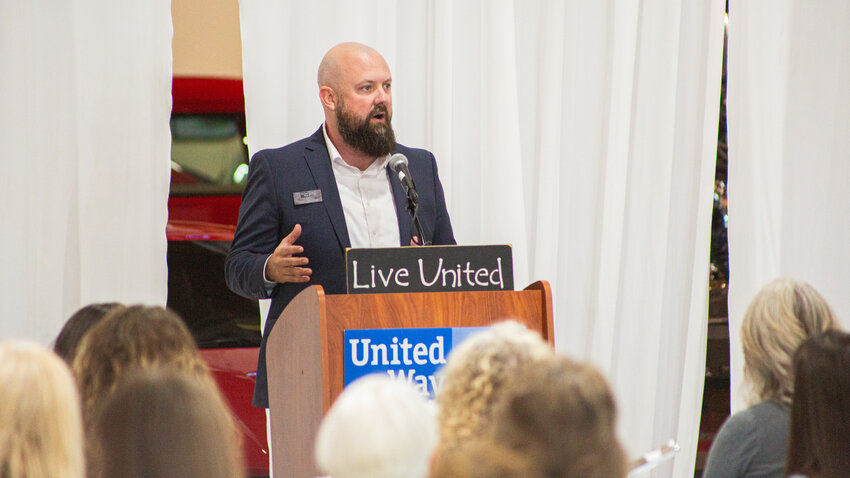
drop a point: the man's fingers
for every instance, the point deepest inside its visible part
(299, 279)
(284, 265)
(288, 269)
(293, 236)
(286, 246)
(285, 250)
(300, 272)
(296, 274)
(292, 261)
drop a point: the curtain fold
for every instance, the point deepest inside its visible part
(84, 108)
(789, 154)
(628, 153)
(582, 133)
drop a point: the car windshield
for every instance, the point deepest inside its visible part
(217, 317)
(208, 154)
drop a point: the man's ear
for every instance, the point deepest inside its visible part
(328, 97)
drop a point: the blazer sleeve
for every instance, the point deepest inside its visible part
(443, 233)
(257, 232)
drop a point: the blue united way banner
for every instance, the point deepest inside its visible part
(412, 355)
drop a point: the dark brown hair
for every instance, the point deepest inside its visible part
(482, 459)
(75, 328)
(820, 411)
(133, 337)
(161, 423)
(561, 414)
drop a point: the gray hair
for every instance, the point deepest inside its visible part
(379, 427)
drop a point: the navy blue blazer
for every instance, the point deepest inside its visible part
(268, 213)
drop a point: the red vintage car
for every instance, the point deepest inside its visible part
(209, 160)
(225, 326)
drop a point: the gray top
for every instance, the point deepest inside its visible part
(751, 443)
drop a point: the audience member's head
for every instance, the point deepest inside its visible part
(161, 423)
(561, 416)
(72, 332)
(379, 427)
(128, 338)
(482, 459)
(40, 425)
(819, 442)
(476, 372)
(780, 317)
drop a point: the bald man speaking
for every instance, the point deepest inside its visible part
(306, 202)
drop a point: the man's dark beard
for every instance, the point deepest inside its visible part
(376, 140)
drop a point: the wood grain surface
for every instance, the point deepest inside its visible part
(305, 349)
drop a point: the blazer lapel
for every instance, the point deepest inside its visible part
(322, 171)
(404, 220)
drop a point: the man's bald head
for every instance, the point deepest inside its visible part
(332, 69)
(355, 88)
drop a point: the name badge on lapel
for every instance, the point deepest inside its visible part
(307, 197)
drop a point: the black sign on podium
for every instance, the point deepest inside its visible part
(429, 269)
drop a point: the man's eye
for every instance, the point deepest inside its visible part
(366, 87)
(388, 86)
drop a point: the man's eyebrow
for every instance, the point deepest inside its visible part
(372, 82)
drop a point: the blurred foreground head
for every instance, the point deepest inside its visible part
(780, 317)
(379, 427)
(819, 439)
(163, 423)
(40, 425)
(69, 338)
(129, 338)
(475, 375)
(482, 459)
(560, 416)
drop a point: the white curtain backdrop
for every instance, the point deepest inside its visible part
(789, 153)
(85, 99)
(582, 133)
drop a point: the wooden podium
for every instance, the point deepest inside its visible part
(305, 350)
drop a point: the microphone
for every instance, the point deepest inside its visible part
(398, 163)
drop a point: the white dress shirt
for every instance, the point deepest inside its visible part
(367, 200)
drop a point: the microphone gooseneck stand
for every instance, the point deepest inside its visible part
(398, 164)
(413, 209)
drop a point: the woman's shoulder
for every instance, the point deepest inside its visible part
(765, 417)
(770, 412)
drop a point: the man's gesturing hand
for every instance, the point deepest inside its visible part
(283, 265)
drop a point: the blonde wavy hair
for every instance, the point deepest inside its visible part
(476, 372)
(128, 338)
(41, 434)
(780, 317)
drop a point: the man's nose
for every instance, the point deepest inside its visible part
(383, 96)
